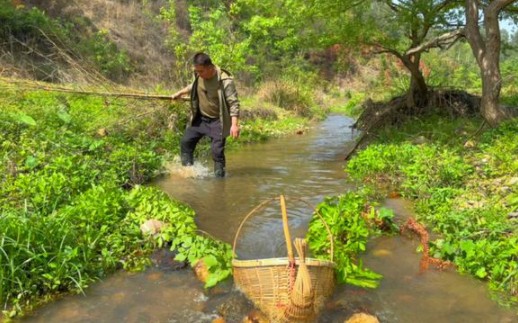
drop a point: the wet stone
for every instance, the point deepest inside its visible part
(154, 276)
(219, 320)
(381, 253)
(151, 227)
(222, 288)
(201, 270)
(233, 307)
(256, 316)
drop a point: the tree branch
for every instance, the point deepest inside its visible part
(385, 50)
(497, 5)
(472, 30)
(444, 40)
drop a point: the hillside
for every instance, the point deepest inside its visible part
(83, 41)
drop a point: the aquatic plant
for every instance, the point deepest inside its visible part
(352, 221)
(464, 184)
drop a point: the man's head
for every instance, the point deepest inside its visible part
(203, 66)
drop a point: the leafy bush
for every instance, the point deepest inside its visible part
(354, 103)
(112, 62)
(181, 229)
(448, 170)
(21, 23)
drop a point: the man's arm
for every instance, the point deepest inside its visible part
(233, 105)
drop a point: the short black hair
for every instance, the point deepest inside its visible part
(202, 59)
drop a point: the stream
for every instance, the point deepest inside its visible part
(309, 166)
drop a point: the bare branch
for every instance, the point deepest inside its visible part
(443, 5)
(498, 5)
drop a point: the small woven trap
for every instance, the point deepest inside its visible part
(287, 289)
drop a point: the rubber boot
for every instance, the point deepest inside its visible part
(187, 159)
(219, 169)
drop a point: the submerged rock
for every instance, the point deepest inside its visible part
(219, 320)
(235, 308)
(164, 260)
(381, 253)
(256, 316)
(362, 318)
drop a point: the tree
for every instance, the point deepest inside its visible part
(486, 48)
(403, 28)
(276, 30)
(424, 24)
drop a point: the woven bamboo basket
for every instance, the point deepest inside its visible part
(287, 289)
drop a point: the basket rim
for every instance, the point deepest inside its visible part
(282, 261)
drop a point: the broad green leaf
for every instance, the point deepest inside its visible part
(210, 261)
(481, 272)
(180, 257)
(64, 116)
(25, 119)
(31, 162)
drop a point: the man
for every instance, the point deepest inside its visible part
(214, 111)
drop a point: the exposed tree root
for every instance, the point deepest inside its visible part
(426, 260)
(377, 115)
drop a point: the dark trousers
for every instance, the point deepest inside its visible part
(204, 127)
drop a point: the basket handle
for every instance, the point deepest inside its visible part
(264, 203)
(286, 229)
(255, 209)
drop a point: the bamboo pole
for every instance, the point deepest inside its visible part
(27, 85)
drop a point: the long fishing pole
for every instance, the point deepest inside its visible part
(25, 85)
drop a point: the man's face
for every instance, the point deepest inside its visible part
(205, 72)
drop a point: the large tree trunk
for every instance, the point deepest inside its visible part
(490, 108)
(417, 96)
(487, 54)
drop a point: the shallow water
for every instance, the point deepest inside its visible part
(308, 166)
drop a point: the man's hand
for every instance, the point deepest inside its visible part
(234, 127)
(234, 131)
